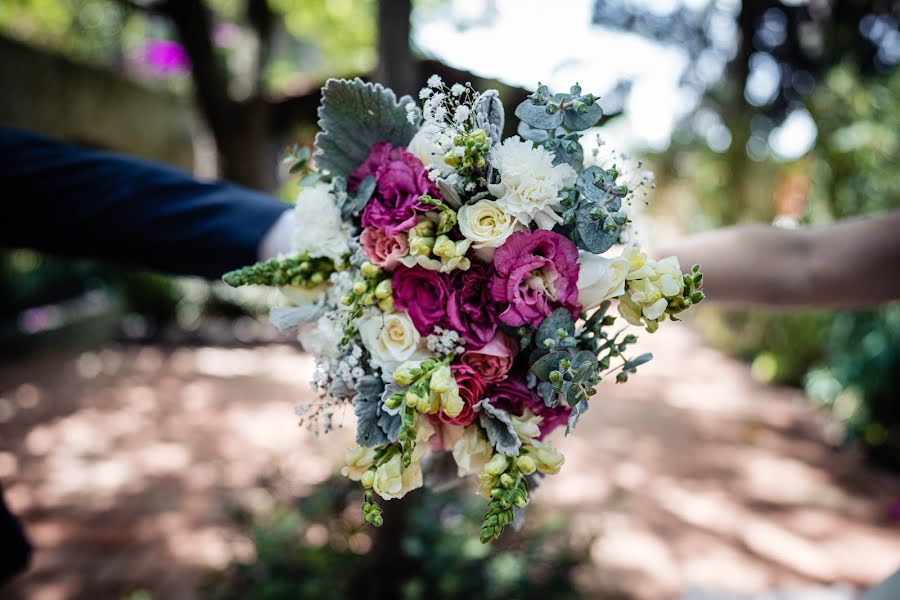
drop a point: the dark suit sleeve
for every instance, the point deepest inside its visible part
(67, 200)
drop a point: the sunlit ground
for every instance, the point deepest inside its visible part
(127, 465)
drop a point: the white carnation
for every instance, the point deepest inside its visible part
(320, 230)
(530, 183)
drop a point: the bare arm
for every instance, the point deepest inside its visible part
(849, 264)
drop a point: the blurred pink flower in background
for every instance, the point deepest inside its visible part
(166, 57)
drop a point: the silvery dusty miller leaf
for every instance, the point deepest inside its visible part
(366, 405)
(498, 426)
(284, 317)
(577, 410)
(354, 116)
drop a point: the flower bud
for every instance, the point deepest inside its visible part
(421, 246)
(360, 287)
(406, 372)
(519, 501)
(347, 300)
(506, 480)
(412, 399)
(316, 278)
(526, 464)
(368, 299)
(498, 464)
(452, 404)
(368, 479)
(386, 305)
(383, 289)
(423, 228)
(394, 401)
(444, 247)
(377, 520)
(369, 270)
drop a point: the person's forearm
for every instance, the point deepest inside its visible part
(84, 203)
(849, 264)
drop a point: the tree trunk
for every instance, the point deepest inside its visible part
(396, 67)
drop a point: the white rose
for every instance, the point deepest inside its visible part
(600, 278)
(390, 338)
(487, 225)
(426, 147)
(319, 231)
(530, 184)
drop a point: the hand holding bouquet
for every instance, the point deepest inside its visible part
(452, 285)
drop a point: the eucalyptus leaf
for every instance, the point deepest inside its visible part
(637, 361)
(343, 142)
(499, 429)
(538, 116)
(570, 153)
(548, 363)
(599, 185)
(560, 318)
(526, 132)
(585, 120)
(592, 232)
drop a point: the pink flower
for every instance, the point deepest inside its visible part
(400, 178)
(382, 249)
(471, 389)
(536, 272)
(423, 294)
(494, 360)
(514, 397)
(471, 312)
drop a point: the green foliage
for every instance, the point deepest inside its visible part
(300, 270)
(341, 144)
(313, 550)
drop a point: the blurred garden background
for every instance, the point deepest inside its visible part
(146, 429)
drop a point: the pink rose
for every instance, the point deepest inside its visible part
(494, 360)
(400, 178)
(536, 271)
(382, 249)
(471, 389)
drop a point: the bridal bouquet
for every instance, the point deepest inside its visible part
(454, 286)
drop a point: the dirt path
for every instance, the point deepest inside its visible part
(126, 465)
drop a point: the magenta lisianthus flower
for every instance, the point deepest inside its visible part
(494, 360)
(536, 271)
(423, 294)
(471, 312)
(513, 396)
(382, 249)
(400, 178)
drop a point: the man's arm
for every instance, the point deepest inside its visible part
(853, 263)
(75, 202)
